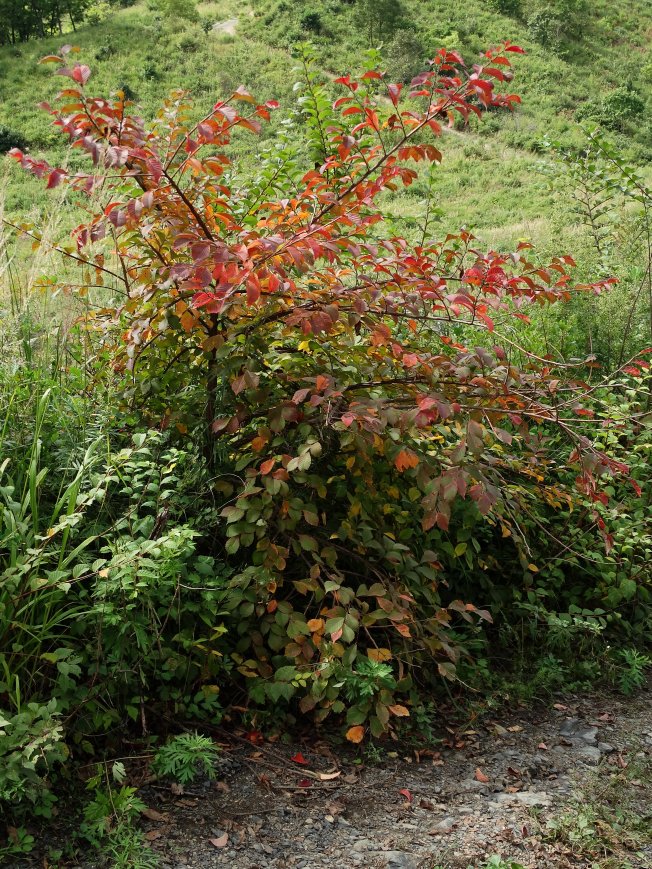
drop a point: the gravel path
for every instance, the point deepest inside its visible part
(515, 786)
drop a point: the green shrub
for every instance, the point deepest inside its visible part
(31, 745)
(11, 139)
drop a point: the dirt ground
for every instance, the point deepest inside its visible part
(566, 785)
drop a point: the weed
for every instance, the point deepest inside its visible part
(186, 757)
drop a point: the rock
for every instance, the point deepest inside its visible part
(526, 798)
(591, 754)
(444, 826)
(362, 845)
(572, 728)
(606, 747)
(400, 860)
(470, 784)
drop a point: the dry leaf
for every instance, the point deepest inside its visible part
(221, 842)
(516, 728)
(328, 776)
(151, 835)
(480, 776)
(542, 746)
(153, 815)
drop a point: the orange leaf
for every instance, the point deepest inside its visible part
(221, 842)
(400, 711)
(480, 776)
(267, 466)
(315, 625)
(406, 459)
(355, 734)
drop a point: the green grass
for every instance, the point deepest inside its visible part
(490, 176)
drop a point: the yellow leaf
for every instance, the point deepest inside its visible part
(533, 568)
(355, 734)
(379, 655)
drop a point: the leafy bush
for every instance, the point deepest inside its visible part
(553, 23)
(11, 139)
(316, 396)
(31, 745)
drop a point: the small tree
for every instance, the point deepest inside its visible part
(362, 395)
(377, 18)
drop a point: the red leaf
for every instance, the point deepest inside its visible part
(81, 73)
(299, 758)
(480, 776)
(406, 793)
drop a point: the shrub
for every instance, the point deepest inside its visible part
(311, 21)
(30, 746)
(11, 139)
(368, 432)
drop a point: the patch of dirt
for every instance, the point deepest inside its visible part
(537, 786)
(229, 26)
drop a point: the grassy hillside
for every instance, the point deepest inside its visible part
(490, 179)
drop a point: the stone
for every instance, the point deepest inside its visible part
(606, 747)
(362, 845)
(590, 754)
(444, 826)
(400, 860)
(573, 728)
(526, 798)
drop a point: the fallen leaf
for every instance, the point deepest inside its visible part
(220, 842)
(299, 758)
(406, 793)
(516, 728)
(426, 804)
(305, 783)
(560, 707)
(355, 734)
(176, 789)
(542, 746)
(255, 736)
(152, 835)
(153, 815)
(480, 776)
(328, 776)
(513, 772)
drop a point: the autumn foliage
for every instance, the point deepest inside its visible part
(364, 401)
